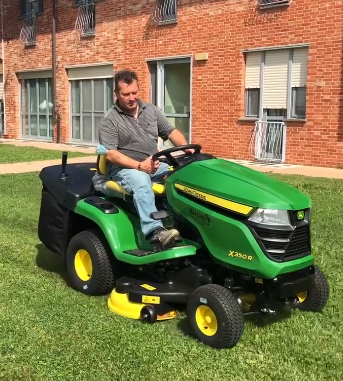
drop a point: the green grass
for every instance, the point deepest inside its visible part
(12, 154)
(50, 332)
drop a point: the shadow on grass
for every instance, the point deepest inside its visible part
(50, 262)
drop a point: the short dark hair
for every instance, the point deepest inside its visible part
(126, 76)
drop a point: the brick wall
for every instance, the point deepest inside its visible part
(126, 35)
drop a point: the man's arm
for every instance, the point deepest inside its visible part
(177, 138)
(108, 137)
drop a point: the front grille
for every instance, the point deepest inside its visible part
(284, 245)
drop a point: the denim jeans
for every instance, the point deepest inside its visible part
(139, 184)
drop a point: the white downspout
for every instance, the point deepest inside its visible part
(3, 65)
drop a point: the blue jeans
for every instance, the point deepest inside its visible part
(139, 184)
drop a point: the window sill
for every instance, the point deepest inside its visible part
(167, 22)
(82, 5)
(295, 120)
(248, 119)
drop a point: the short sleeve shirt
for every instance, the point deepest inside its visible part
(134, 137)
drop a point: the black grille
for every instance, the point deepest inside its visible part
(284, 245)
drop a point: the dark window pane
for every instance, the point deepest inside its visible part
(99, 95)
(87, 128)
(75, 97)
(86, 96)
(76, 129)
(299, 102)
(33, 95)
(252, 102)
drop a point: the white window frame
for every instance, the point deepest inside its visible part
(291, 91)
(90, 113)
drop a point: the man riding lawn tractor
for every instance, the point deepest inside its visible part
(158, 232)
(129, 135)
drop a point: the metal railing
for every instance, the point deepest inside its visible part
(28, 29)
(267, 141)
(165, 12)
(85, 22)
(272, 3)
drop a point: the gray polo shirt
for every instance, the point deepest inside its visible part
(134, 137)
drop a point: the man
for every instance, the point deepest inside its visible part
(129, 131)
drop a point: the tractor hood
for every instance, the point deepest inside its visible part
(234, 182)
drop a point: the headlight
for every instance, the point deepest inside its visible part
(270, 217)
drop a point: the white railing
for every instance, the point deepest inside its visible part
(28, 29)
(272, 3)
(267, 142)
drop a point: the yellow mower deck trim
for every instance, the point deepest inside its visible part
(121, 305)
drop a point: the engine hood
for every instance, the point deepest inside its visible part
(237, 183)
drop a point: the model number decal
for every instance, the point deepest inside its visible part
(236, 254)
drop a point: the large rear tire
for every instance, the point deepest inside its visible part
(88, 263)
(215, 316)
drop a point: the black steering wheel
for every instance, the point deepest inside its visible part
(173, 160)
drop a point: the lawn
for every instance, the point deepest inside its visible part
(50, 332)
(12, 154)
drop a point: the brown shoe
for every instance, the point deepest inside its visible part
(166, 238)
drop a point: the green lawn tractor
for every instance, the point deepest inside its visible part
(244, 245)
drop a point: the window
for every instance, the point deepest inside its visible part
(273, 3)
(90, 99)
(276, 80)
(30, 7)
(165, 11)
(85, 22)
(36, 107)
(170, 90)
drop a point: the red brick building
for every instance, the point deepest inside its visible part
(244, 78)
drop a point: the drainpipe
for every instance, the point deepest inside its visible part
(3, 67)
(55, 115)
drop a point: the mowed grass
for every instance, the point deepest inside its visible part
(13, 154)
(50, 332)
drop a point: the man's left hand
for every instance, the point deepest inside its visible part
(189, 150)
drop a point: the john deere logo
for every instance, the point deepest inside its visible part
(300, 215)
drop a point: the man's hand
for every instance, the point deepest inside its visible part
(149, 166)
(189, 150)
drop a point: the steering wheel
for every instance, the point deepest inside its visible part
(173, 160)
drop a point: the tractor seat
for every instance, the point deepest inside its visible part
(158, 189)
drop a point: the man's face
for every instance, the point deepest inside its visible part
(127, 95)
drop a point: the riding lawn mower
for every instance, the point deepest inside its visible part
(244, 245)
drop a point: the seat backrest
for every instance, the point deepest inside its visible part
(101, 164)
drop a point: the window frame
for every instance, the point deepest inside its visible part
(291, 96)
(107, 89)
(247, 104)
(294, 114)
(25, 85)
(26, 4)
(161, 15)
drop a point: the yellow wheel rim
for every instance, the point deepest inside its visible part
(302, 296)
(83, 265)
(206, 320)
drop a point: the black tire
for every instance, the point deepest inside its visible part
(227, 312)
(149, 314)
(318, 296)
(102, 280)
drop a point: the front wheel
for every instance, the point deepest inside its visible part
(215, 316)
(315, 299)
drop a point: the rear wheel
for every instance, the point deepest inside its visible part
(314, 300)
(88, 264)
(215, 316)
